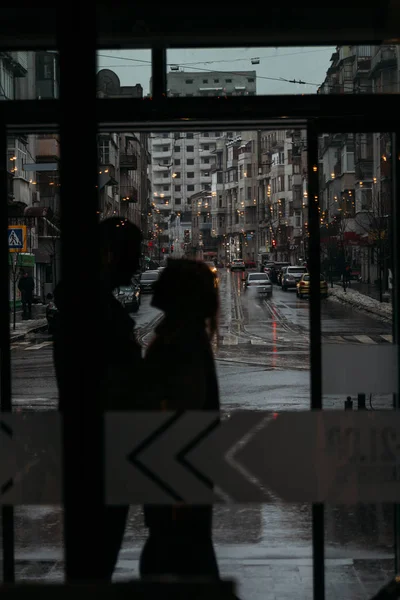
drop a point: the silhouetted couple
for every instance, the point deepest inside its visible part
(177, 373)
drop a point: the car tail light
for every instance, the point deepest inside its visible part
(302, 283)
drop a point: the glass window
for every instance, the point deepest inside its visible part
(190, 161)
(190, 174)
(190, 148)
(190, 188)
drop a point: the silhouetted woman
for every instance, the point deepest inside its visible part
(180, 375)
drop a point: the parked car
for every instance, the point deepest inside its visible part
(147, 281)
(129, 296)
(237, 265)
(303, 286)
(260, 282)
(276, 269)
(52, 314)
(291, 276)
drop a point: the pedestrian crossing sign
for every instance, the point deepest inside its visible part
(17, 238)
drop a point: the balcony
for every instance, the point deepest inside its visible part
(363, 170)
(47, 147)
(128, 161)
(129, 193)
(162, 153)
(384, 58)
(297, 179)
(297, 197)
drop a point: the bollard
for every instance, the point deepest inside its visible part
(348, 403)
(361, 398)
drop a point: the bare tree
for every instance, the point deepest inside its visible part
(373, 219)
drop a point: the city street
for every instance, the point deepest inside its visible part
(263, 364)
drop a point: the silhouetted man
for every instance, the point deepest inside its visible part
(26, 285)
(120, 246)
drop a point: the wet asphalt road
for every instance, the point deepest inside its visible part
(262, 364)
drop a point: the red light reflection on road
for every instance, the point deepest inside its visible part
(274, 342)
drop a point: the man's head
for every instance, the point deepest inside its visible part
(120, 247)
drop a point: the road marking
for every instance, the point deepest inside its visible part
(365, 339)
(259, 343)
(336, 338)
(231, 340)
(388, 338)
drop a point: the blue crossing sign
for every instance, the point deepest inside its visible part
(17, 238)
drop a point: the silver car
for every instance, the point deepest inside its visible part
(260, 283)
(291, 276)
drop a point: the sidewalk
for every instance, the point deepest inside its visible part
(361, 301)
(23, 328)
(367, 289)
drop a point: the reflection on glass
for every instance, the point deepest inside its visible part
(355, 202)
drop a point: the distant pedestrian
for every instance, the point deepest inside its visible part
(180, 536)
(26, 285)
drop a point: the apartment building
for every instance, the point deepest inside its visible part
(356, 170)
(258, 186)
(211, 83)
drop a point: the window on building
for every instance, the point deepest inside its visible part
(228, 80)
(177, 148)
(274, 185)
(190, 175)
(190, 188)
(217, 134)
(281, 158)
(177, 175)
(250, 79)
(220, 201)
(189, 136)
(206, 187)
(216, 80)
(296, 169)
(188, 81)
(190, 148)
(281, 183)
(165, 161)
(248, 170)
(190, 161)
(205, 80)
(165, 175)
(249, 194)
(206, 174)
(178, 201)
(206, 147)
(241, 172)
(206, 161)
(177, 188)
(220, 176)
(289, 182)
(289, 157)
(165, 135)
(104, 152)
(177, 161)
(165, 188)
(206, 134)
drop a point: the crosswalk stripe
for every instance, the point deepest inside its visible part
(336, 338)
(38, 346)
(365, 339)
(388, 338)
(259, 343)
(230, 340)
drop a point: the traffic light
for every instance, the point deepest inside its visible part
(172, 249)
(273, 243)
(163, 250)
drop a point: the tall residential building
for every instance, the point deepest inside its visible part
(356, 169)
(183, 163)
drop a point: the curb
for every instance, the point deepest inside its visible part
(19, 336)
(364, 309)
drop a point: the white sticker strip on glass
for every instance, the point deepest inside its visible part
(359, 369)
(340, 457)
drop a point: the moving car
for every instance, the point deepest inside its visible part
(276, 269)
(291, 276)
(237, 265)
(303, 286)
(212, 267)
(250, 264)
(260, 282)
(147, 281)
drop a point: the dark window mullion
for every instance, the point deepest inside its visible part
(80, 351)
(313, 261)
(158, 73)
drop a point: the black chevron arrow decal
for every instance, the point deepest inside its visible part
(133, 457)
(181, 456)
